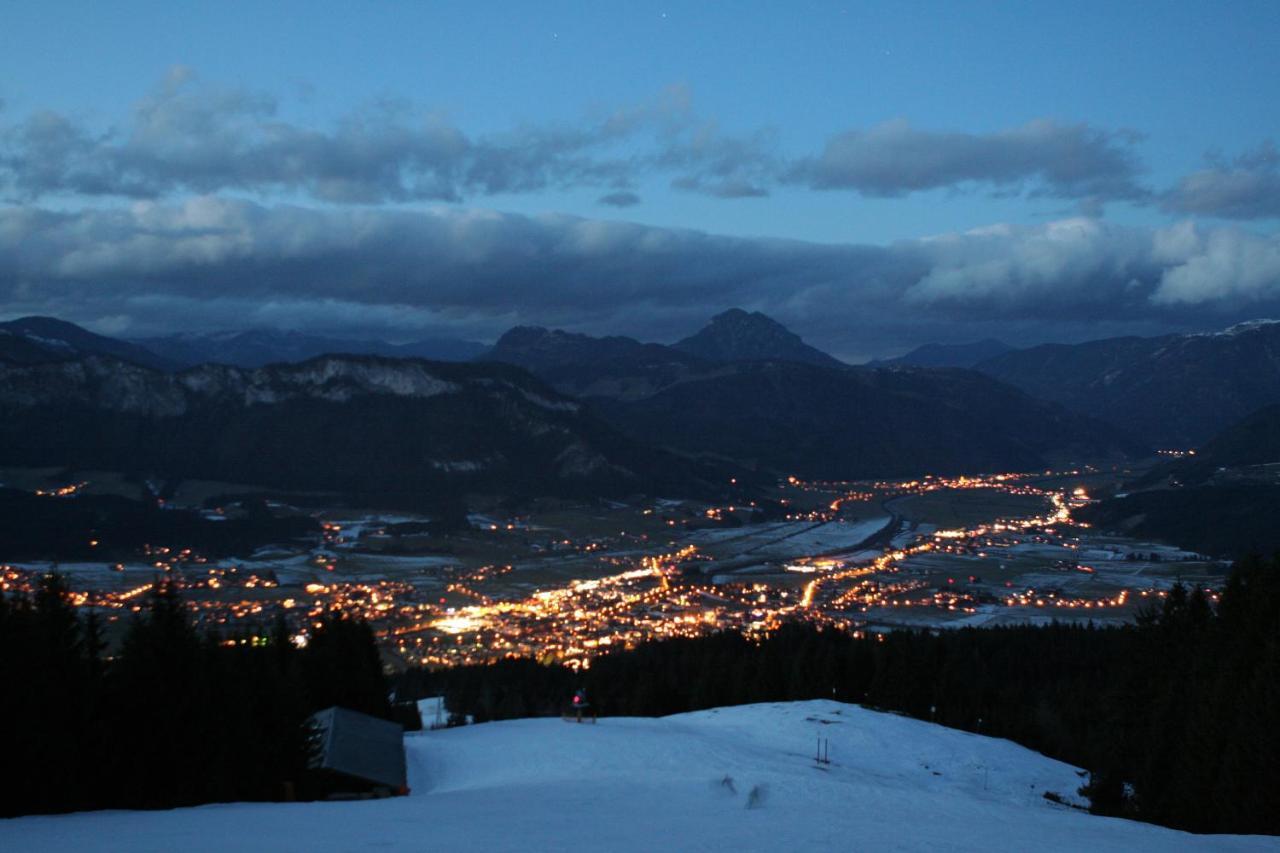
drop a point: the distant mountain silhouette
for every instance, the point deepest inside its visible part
(1222, 500)
(736, 335)
(40, 340)
(795, 416)
(1248, 449)
(766, 401)
(258, 347)
(851, 423)
(596, 367)
(1174, 391)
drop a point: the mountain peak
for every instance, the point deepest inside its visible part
(738, 335)
(734, 314)
(36, 340)
(741, 317)
(534, 346)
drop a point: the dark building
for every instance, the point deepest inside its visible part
(359, 754)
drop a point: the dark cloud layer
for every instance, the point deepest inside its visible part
(619, 198)
(216, 263)
(894, 158)
(1245, 188)
(189, 137)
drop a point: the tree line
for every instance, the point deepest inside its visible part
(1224, 518)
(174, 717)
(1176, 718)
(101, 527)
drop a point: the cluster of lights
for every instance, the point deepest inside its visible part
(62, 491)
(641, 598)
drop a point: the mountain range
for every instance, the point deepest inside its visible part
(1173, 391)
(1250, 442)
(609, 413)
(744, 391)
(40, 340)
(584, 366)
(853, 423)
(620, 416)
(1221, 500)
(258, 347)
(399, 431)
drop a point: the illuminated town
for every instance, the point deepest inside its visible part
(859, 556)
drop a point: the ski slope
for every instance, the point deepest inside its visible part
(629, 784)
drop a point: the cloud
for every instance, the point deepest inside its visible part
(210, 262)
(1245, 188)
(1082, 267)
(190, 137)
(710, 162)
(1220, 266)
(895, 158)
(1070, 265)
(728, 187)
(619, 198)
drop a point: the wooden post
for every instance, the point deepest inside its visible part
(822, 752)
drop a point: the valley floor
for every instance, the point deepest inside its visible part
(734, 779)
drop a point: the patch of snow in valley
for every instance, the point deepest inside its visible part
(825, 538)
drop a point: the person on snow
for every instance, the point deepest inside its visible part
(580, 703)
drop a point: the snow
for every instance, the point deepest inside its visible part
(431, 708)
(826, 538)
(677, 783)
(790, 539)
(1238, 329)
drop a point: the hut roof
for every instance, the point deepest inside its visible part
(360, 746)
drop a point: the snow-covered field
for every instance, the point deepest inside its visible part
(678, 783)
(825, 538)
(789, 539)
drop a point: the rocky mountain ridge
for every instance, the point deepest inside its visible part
(356, 424)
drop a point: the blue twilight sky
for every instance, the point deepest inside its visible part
(874, 175)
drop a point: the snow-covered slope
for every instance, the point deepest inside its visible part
(678, 783)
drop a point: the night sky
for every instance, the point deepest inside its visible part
(876, 176)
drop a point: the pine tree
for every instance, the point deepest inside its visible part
(341, 666)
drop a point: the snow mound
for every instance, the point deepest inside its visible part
(734, 779)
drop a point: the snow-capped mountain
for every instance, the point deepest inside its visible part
(1174, 391)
